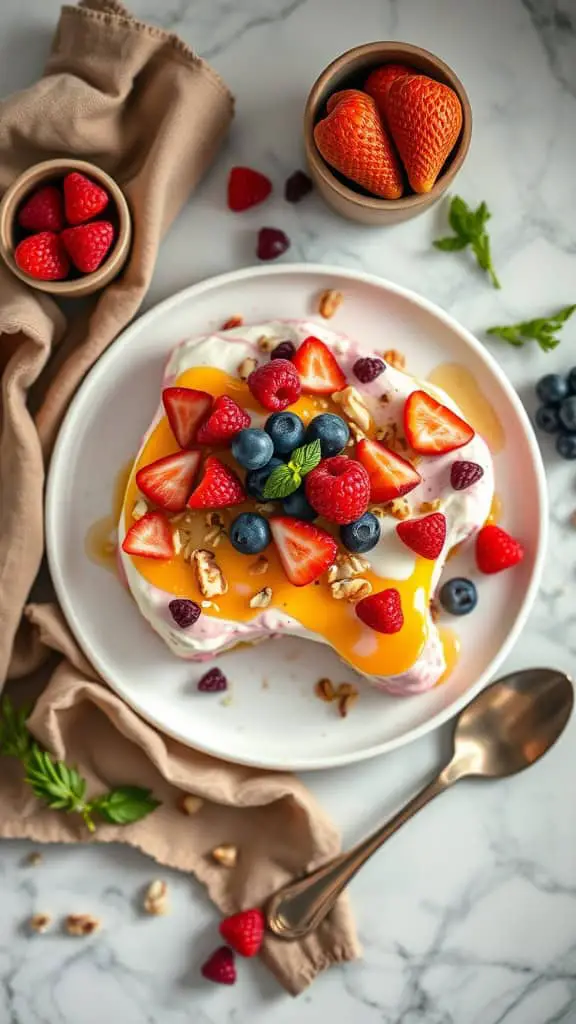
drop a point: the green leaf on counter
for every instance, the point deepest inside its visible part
(543, 330)
(469, 227)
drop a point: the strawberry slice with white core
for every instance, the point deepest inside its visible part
(391, 476)
(318, 369)
(150, 537)
(432, 428)
(305, 550)
(185, 409)
(168, 482)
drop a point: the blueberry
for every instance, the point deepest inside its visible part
(552, 389)
(459, 596)
(250, 533)
(297, 505)
(361, 535)
(252, 448)
(567, 414)
(547, 419)
(332, 432)
(256, 478)
(286, 430)
(572, 380)
(566, 446)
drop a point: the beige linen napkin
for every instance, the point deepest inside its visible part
(138, 102)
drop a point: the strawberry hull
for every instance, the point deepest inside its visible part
(391, 563)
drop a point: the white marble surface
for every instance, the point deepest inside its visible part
(469, 916)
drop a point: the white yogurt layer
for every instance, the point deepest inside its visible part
(465, 511)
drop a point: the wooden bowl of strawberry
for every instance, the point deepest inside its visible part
(387, 127)
(65, 227)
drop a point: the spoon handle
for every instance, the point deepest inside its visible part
(300, 906)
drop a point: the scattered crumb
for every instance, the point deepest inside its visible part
(226, 855)
(33, 859)
(156, 898)
(40, 923)
(189, 803)
(81, 925)
(233, 321)
(329, 301)
(265, 684)
(394, 358)
(346, 703)
(226, 701)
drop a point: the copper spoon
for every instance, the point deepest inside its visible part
(505, 729)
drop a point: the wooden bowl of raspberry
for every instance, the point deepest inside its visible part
(65, 227)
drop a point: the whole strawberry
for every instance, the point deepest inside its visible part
(425, 119)
(220, 967)
(244, 931)
(379, 82)
(43, 211)
(226, 419)
(382, 611)
(83, 198)
(219, 487)
(351, 139)
(43, 256)
(496, 550)
(339, 489)
(88, 244)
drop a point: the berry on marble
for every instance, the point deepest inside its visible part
(567, 414)
(252, 448)
(297, 186)
(566, 446)
(361, 535)
(332, 432)
(547, 419)
(552, 389)
(272, 242)
(250, 533)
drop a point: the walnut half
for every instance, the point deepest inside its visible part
(211, 579)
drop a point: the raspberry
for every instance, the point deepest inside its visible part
(185, 613)
(218, 488)
(424, 536)
(497, 550)
(83, 198)
(213, 681)
(285, 350)
(43, 256)
(244, 931)
(43, 211)
(297, 186)
(220, 967)
(276, 384)
(88, 244)
(381, 611)
(339, 489)
(224, 421)
(368, 369)
(271, 243)
(463, 474)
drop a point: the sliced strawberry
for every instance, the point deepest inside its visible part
(391, 476)
(431, 428)
(225, 420)
(150, 537)
(244, 931)
(424, 536)
(185, 409)
(305, 550)
(318, 368)
(169, 481)
(247, 188)
(218, 488)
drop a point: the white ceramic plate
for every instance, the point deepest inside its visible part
(273, 720)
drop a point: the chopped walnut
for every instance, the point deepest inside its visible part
(225, 855)
(262, 598)
(266, 343)
(347, 566)
(346, 703)
(156, 898)
(394, 358)
(353, 406)
(345, 689)
(391, 437)
(246, 367)
(429, 506)
(211, 579)
(190, 804)
(264, 507)
(324, 689)
(139, 509)
(399, 508)
(329, 301)
(80, 925)
(233, 321)
(259, 567)
(357, 434)
(351, 590)
(40, 923)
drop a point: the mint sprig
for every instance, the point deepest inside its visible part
(469, 227)
(284, 480)
(543, 330)
(61, 787)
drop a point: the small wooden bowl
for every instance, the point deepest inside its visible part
(350, 70)
(50, 172)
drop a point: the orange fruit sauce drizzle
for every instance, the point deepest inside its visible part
(313, 606)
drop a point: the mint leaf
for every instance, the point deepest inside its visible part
(469, 227)
(282, 481)
(124, 805)
(307, 457)
(543, 330)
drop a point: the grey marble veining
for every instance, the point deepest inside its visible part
(469, 916)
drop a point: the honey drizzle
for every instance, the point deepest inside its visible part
(100, 542)
(451, 646)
